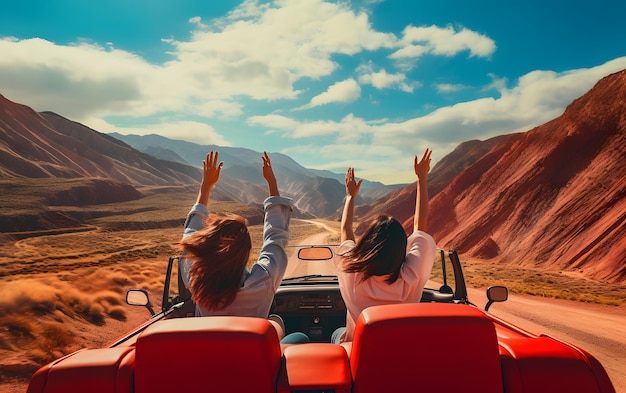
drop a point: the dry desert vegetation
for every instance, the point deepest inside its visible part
(63, 290)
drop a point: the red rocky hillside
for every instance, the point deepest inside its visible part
(46, 145)
(553, 197)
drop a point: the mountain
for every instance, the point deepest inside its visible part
(552, 197)
(47, 145)
(43, 145)
(319, 193)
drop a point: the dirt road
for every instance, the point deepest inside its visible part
(302, 268)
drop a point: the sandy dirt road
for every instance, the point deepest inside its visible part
(297, 268)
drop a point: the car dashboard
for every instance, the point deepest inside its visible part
(315, 311)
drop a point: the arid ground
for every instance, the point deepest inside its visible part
(65, 290)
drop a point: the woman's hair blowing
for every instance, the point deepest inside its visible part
(220, 253)
(380, 251)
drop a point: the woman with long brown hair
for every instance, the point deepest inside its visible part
(216, 248)
(383, 266)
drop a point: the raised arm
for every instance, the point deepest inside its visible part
(420, 221)
(268, 174)
(352, 190)
(210, 177)
(273, 258)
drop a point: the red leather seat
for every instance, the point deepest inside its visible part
(99, 370)
(426, 347)
(217, 354)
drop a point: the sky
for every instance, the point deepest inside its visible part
(367, 84)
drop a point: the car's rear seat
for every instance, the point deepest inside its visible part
(219, 354)
(405, 347)
(427, 347)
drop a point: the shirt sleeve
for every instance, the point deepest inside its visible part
(273, 257)
(420, 256)
(195, 218)
(341, 251)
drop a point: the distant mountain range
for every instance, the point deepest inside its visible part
(552, 197)
(40, 145)
(316, 192)
(47, 145)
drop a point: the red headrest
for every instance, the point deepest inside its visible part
(234, 354)
(425, 347)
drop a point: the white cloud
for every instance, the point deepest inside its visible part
(497, 83)
(345, 92)
(73, 80)
(219, 108)
(274, 122)
(263, 54)
(191, 131)
(449, 88)
(538, 97)
(383, 80)
(257, 51)
(350, 128)
(247, 9)
(418, 41)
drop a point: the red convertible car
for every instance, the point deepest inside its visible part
(443, 344)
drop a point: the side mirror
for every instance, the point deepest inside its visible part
(315, 253)
(496, 293)
(139, 297)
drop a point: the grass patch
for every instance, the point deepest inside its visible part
(557, 285)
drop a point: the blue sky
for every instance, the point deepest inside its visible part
(367, 84)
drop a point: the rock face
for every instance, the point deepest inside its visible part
(46, 145)
(554, 196)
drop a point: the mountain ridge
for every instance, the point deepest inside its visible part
(553, 196)
(296, 181)
(46, 144)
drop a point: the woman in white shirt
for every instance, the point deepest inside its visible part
(383, 266)
(216, 249)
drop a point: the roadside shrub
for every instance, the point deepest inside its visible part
(18, 326)
(51, 343)
(117, 312)
(109, 297)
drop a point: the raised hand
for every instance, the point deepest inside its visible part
(422, 167)
(268, 174)
(211, 173)
(352, 186)
(210, 176)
